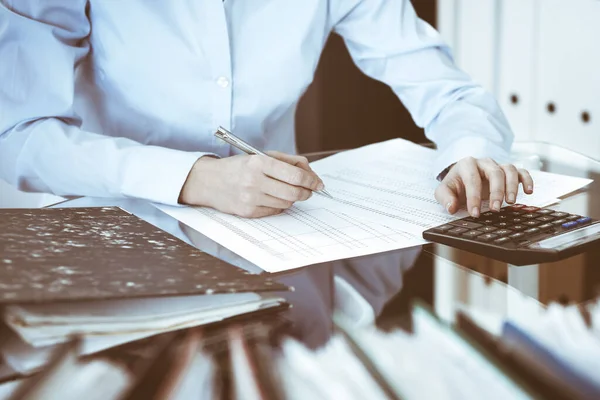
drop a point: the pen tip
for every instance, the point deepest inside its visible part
(326, 193)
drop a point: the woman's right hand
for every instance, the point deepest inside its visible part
(250, 186)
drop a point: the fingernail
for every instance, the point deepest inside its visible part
(448, 206)
(496, 205)
(475, 212)
(511, 197)
(530, 188)
(320, 186)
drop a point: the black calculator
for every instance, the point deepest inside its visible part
(520, 234)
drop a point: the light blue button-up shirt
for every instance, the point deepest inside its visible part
(120, 98)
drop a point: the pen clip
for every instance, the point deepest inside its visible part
(233, 140)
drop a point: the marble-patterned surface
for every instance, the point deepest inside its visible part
(56, 254)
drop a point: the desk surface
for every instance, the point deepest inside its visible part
(443, 277)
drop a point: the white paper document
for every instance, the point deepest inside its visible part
(49, 324)
(383, 199)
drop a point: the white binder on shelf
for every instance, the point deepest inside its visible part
(567, 74)
(518, 22)
(476, 24)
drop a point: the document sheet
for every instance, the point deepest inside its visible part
(383, 199)
(50, 324)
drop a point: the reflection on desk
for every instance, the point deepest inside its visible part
(526, 359)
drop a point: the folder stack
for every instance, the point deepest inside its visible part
(559, 347)
(109, 278)
(251, 360)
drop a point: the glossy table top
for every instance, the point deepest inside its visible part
(380, 287)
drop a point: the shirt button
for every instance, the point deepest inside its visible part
(223, 82)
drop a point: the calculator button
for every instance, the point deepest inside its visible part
(532, 222)
(546, 227)
(546, 219)
(488, 214)
(488, 221)
(560, 221)
(487, 237)
(517, 235)
(466, 224)
(529, 216)
(443, 228)
(503, 232)
(503, 217)
(487, 229)
(517, 220)
(472, 234)
(531, 231)
(518, 227)
(515, 213)
(573, 217)
(569, 225)
(457, 231)
(584, 220)
(502, 224)
(502, 240)
(530, 209)
(559, 214)
(545, 211)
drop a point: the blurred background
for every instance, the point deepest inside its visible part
(540, 58)
(344, 108)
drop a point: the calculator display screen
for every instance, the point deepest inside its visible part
(569, 239)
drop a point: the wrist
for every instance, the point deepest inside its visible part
(196, 189)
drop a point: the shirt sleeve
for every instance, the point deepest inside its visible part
(42, 147)
(390, 43)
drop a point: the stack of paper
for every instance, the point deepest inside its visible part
(106, 324)
(432, 363)
(331, 372)
(111, 278)
(561, 342)
(68, 378)
(553, 354)
(383, 199)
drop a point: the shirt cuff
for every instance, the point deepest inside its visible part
(158, 174)
(469, 146)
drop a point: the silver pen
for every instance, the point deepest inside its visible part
(235, 141)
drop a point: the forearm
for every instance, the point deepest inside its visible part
(390, 43)
(470, 126)
(42, 147)
(51, 156)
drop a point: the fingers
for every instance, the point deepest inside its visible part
(283, 191)
(466, 181)
(256, 205)
(527, 181)
(274, 202)
(496, 181)
(258, 211)
(297, 161)
(469, 174)
(512, 182)
(258, 195)
(447, 196)
(289, 174)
